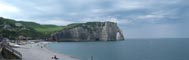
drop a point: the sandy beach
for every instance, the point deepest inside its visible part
(38, 51)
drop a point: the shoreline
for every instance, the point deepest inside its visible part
(40, 51)
(68, 56)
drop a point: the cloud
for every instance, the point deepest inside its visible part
(131, 14)
(151, 17)
(111, 19)
(83, 9)
(130, 5)
(8, 8)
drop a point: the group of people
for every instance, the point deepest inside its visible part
(54, 57)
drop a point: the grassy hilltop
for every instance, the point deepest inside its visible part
(12, 29)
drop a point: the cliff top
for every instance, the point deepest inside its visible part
(87, 24)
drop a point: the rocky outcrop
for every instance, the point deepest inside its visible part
(90, 31)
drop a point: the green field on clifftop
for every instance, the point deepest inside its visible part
(9, 29)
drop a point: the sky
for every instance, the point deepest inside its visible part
(136, 18)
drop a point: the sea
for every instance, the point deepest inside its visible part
(129, 49)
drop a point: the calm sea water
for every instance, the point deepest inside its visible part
(130, 49)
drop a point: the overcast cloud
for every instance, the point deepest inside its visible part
(137, 18)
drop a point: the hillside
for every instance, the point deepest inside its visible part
(13, 29)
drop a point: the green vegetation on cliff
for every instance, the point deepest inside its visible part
(13, 29)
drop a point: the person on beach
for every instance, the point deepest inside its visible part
(52, 58)
(55, 57)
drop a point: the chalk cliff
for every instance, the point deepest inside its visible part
(90, 31)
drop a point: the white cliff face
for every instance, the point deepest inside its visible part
(93, 31)
(119, 36)
(104, 32)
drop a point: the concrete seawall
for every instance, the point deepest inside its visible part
(7, 52)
